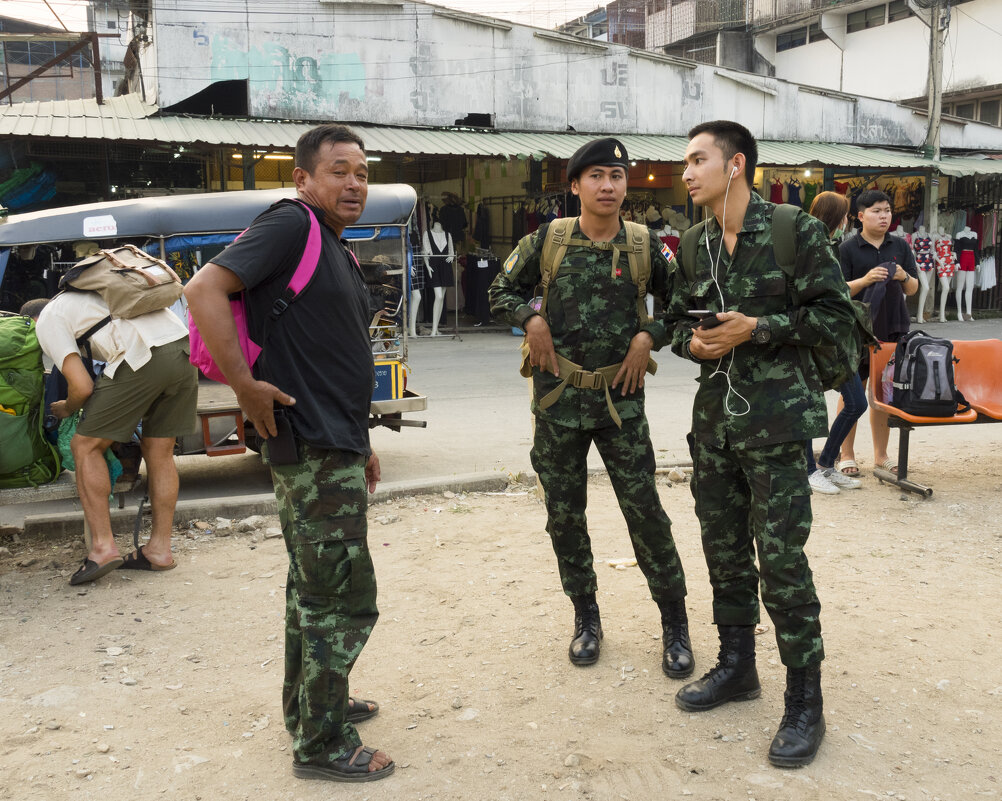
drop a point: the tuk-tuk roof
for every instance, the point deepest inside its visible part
(212, 212)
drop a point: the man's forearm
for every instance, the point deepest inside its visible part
(210, 308)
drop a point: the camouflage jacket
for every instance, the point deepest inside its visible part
(782, 389)
(592, 316)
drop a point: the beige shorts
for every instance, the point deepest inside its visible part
(162, 394)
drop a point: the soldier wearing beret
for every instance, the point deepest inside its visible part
(758, 400)
(587, 353)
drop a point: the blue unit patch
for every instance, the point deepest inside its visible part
(510, 262)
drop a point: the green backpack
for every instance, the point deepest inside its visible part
(27, 458)
(835, 364)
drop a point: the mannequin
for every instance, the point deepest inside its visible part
(946, 265)
(967, 243)
(922, 247)
(438, 258)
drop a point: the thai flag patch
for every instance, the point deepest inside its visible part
(666, 252)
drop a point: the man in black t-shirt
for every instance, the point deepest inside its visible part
(317, 368)
(865, 263)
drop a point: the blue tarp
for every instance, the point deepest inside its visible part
(187, 242)
(200, 241)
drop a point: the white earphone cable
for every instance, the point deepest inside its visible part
(714, 268)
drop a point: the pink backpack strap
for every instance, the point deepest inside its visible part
(311, 255)
(306, 268)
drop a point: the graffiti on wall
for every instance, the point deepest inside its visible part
(285, 81)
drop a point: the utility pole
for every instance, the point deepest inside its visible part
(931, 149)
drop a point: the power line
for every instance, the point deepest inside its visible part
(975, 19)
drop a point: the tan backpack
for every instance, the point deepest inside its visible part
(638, 248)
(129, 280)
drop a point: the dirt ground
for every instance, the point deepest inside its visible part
(147, 686)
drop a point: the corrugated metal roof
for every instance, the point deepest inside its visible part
(128, 118)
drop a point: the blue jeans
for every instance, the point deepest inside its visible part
(854, 400)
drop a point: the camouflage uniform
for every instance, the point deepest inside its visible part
(330, 595)
(592, 313)
(749, 483)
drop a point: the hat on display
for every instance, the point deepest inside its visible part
(84, 248)
(599, 152)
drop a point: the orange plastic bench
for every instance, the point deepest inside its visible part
(978, 375)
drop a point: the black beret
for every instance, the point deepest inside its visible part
(603, 152)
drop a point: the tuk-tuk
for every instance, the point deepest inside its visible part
(186, 231)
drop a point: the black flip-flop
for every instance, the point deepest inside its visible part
(92, 571)
(137, 561)
(362, 711)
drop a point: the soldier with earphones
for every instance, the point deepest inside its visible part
(757, 402)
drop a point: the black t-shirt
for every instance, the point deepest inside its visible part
(318, 350)
(858, 256)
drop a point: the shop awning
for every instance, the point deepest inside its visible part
(129, 119)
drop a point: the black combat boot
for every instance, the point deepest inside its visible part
(587, 631)
(733, 678)
(677, 662)
(803, 725)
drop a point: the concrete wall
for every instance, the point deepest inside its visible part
(891, 61)
(410, 65)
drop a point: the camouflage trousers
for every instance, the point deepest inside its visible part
(330, 596)
(752, 500)
(559, 457)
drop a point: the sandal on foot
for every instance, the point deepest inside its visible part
(352, 767)
(92, 571)
(137, 561)
(889, 465)
(848, 466)
(359, 709)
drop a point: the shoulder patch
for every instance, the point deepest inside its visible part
(510, 262)
(666, 252)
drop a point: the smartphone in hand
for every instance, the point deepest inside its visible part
(281, 448)
(706, 318)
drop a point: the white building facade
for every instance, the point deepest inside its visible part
(409, 63)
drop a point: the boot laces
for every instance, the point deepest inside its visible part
(587, 620)
(796, 700)
(677, 632)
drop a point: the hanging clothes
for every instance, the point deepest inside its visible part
(793, 193)
(482, 227)
(453, 219)
(776, 191)
(810, 192)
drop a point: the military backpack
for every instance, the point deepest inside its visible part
(27, 458)
(637, 247)
(835, 364)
